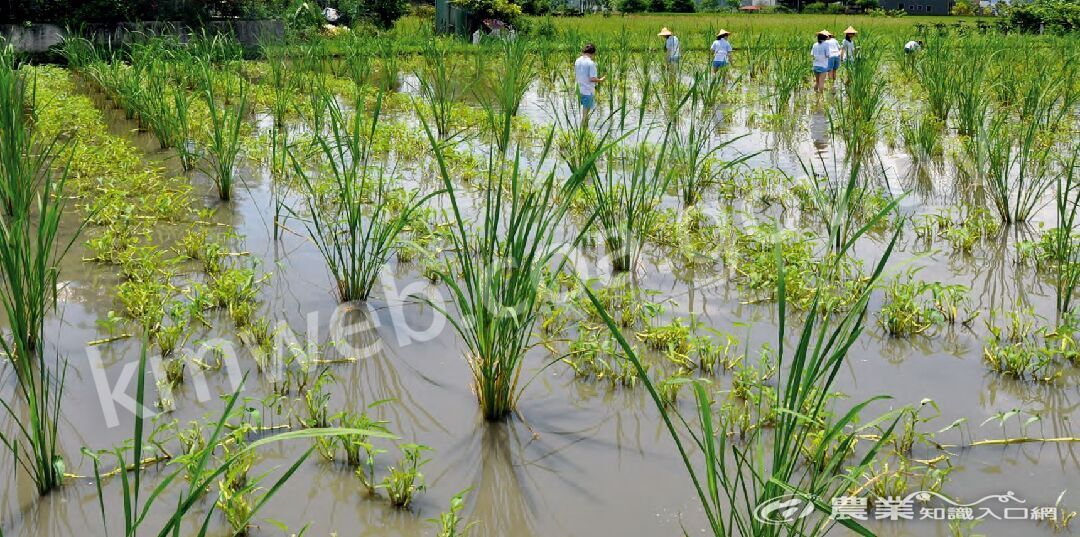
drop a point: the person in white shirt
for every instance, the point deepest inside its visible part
(586, 75)
(847, 46)
(820, 53)
(671, 46)
(834, 55)
(721, 50)
(912, 47)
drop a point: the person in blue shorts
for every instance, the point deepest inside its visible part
(834, 55)
(820, 53)
(721, 50)
(586, 75)
(672, 51)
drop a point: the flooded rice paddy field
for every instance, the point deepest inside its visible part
(581, 456)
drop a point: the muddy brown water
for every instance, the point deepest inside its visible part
(581, 459)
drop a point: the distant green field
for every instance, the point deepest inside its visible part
(688, 23)
(697, 31)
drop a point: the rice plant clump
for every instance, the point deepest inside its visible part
(627, 194)
(227, 112)
(353, 216)
(33, 173)
(502, 261)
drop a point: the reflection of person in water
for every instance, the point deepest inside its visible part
(819, 130)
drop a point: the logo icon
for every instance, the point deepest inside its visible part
(783, 509)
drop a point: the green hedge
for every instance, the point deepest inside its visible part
(1058, 16)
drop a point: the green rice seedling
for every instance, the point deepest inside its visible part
(366, 471)
(756, 55)
(22, 165)
(201, 465)
(353, 444)
(857, 113)
(226, 114)
(502, 94)
(317, 400)
(405, 480)
(644, 83)
(79, 52)
(845, 205)
(936, 74)
(627, 193)
(390, 72)
(441, 88)
(502, 262)
(449, 521)
(911, 418)
(619, 94)
(788, 72)
(694, 149)
(1047, 94)
(183, 139)
(154, 110)
(358, 60)
(922, 135)
(33, 181)
(282, 84)
(1066, 244)
(671, 97)
(355, 239)
(1015, 165)
(973, 101)
(732, 480)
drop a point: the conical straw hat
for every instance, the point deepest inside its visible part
(722, 33)
(850, 30)
(664, 32)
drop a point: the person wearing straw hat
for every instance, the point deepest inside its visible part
(847, 46)
(587, 79)
(671, 45)
(721, 50)
(820, 54)
(834, 55)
